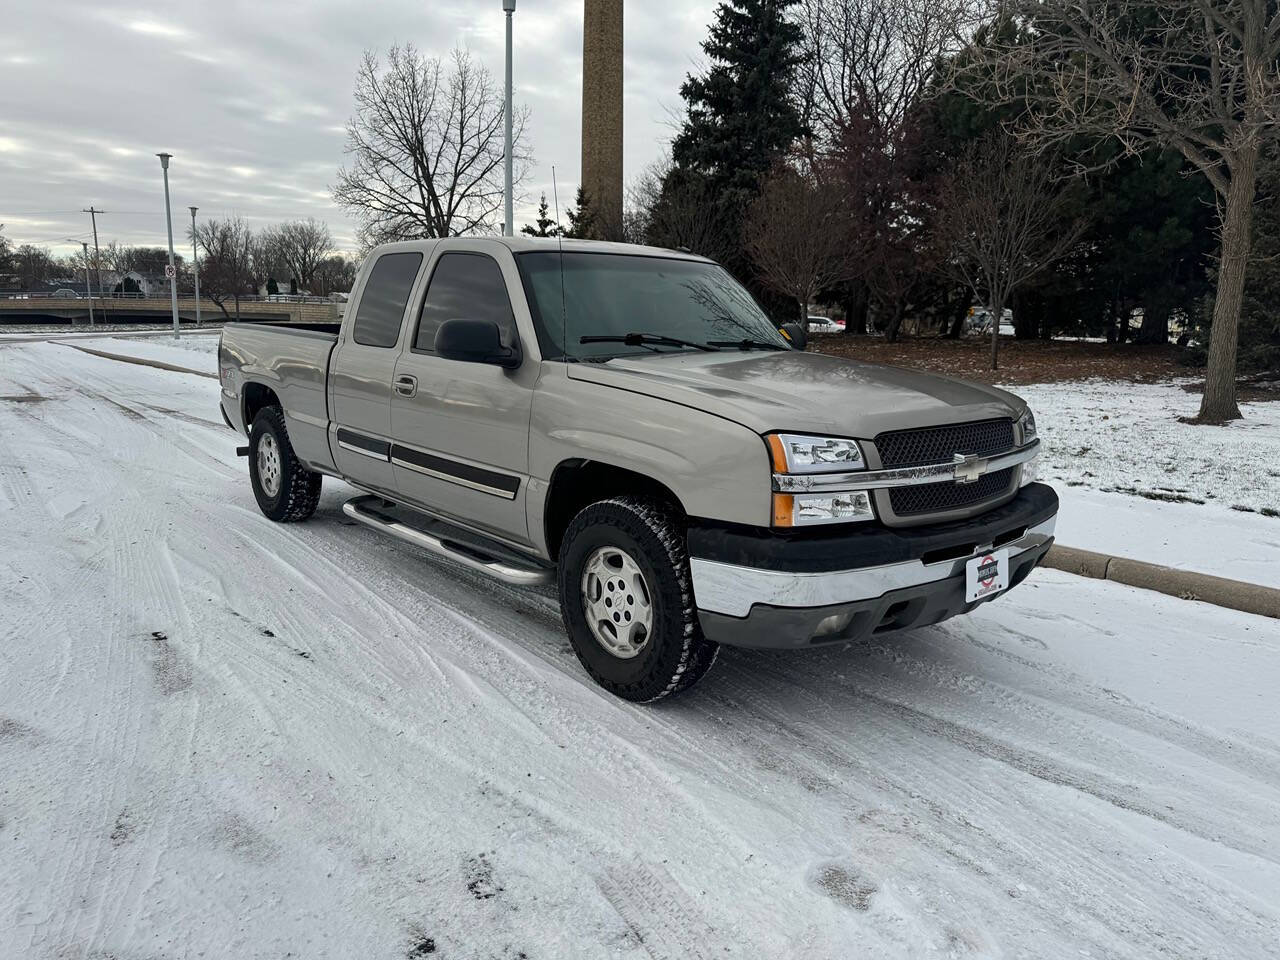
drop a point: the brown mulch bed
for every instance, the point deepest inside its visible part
(1021, 361)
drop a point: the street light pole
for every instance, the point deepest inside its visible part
(509, 227)
(168, 222)
(88, 291)
(195, 261)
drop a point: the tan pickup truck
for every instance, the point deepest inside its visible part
(627, 423)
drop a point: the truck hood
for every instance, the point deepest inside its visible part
(803, 392)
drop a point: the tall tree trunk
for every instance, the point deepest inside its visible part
(895, 321)
(1219, 402)
(997, 315)
(1155, 319)
(856, 304)
(237, 307)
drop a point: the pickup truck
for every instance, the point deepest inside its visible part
(628, 424)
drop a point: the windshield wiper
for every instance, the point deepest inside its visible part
(649, 339)
(747, 344)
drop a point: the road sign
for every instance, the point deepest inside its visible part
(169, 271)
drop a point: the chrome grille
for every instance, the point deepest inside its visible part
(913, 448)
(941, 497)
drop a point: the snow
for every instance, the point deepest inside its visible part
(1205, 538)
(1127, 438)
(222, 737)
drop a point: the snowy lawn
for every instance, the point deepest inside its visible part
(221, 737)
(1120, 437)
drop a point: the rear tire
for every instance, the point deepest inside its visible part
(649, 644)
(286, 491)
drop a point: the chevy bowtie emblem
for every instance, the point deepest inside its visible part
(970, 468)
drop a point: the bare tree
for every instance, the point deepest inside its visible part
(1004, 219)
(873, 59)
(302, 245)
(796, 234)
(679, 210)
(426, 148)
(226, 261)
(335, 274)
(1199, 76)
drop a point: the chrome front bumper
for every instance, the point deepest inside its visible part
(732, 590)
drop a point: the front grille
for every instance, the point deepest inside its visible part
(914, 448)
(949, 495)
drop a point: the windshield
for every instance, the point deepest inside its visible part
(610, 294)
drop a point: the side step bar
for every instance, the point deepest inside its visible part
(373, 512)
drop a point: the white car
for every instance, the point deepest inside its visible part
(825, 325)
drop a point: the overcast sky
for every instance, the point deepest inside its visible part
(252, 98)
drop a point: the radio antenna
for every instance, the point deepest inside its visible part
(564, 307)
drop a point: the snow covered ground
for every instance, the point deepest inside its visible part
(1126, 438)
(220, 737)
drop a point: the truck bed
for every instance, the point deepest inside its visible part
(292, 360)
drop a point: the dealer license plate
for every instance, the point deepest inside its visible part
(986, 575)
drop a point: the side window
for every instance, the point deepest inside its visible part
(464, 286)
(384, 298)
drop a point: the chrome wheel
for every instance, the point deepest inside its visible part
(269, 464)
(617, 602)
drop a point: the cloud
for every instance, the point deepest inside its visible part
(251, 97)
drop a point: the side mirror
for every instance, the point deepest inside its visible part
(795, 334)
(475, 341)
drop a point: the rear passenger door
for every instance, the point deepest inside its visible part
(362, 368)
(462, 429)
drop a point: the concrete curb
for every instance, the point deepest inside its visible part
(1184, 584)
(158, 364)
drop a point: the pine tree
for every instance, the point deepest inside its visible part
(741, 119)
(742, 115)
(544, 226)
(581, 217)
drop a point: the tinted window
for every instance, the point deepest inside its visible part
(617, 294)
(383, 301)
(464, 286)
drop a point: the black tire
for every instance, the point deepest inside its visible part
(298, 489)
(675, 654)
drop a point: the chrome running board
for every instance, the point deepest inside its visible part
(436, 538)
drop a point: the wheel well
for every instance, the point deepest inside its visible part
(256, 396)
(579, 483)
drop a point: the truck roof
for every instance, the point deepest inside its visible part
(526, 244)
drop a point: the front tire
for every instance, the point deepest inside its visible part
(626, 597)
(286, 491)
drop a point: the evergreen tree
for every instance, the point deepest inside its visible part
(581, 217)
(741, 118)
(742, 115)
(544, 226)
(273, 288)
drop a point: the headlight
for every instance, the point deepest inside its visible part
(795, 453)
(799, 454)
(804, 510)
(1027, 427)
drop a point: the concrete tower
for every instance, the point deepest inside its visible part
(602, 112)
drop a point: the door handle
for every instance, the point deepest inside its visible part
(406, 386)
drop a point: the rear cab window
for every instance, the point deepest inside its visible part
(385, 296)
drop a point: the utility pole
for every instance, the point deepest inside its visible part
(88, 291)
(97, 256)
(195, 261)
(168, 222)
(509, 227)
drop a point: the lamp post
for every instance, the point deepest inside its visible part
(195, 261)
(509, 227)
(168, 222)
(88, 290)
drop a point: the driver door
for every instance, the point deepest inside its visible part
(461, 429)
